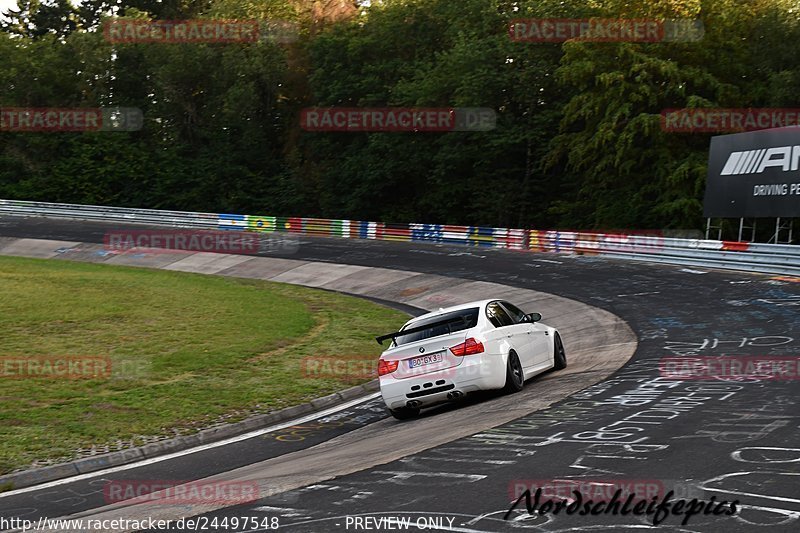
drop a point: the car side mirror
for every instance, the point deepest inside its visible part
(533, 317)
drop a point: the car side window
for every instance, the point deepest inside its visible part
(497, 315)
(516, 315)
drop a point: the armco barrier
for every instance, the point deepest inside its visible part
(642, 246)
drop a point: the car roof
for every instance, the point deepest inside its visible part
(479, 304)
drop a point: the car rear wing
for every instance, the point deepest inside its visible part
(459, 319)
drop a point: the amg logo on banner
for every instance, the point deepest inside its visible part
(755, 161)
(754, 174)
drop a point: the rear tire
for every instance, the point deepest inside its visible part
(404, 413)
(515, 379)
(559, 355)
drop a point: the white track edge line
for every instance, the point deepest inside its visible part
(189, 451)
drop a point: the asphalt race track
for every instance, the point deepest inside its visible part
(713, 440)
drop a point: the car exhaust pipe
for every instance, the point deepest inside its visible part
(413, 404)
(455, 395)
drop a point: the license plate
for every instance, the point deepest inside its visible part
(425, 360)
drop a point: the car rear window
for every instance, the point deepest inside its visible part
(437, 329)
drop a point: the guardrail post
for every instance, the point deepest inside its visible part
(709, 227)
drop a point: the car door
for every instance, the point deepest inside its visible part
(537, 342)
(515, 334)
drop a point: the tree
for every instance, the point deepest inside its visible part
(37, 18)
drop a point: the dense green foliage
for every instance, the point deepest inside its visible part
(578, 141)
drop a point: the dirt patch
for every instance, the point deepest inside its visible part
(413, 291)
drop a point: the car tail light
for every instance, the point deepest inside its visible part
(386, 367)
(468, 347)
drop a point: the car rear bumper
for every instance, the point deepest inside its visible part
(476, 372)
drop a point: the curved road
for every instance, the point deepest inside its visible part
(711, 440)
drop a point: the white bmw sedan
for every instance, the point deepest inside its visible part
(442, 356)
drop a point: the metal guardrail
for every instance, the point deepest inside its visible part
(640, 246)
(177, 219)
